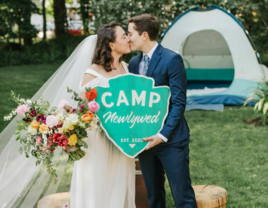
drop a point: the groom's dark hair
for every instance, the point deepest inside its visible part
(146, 23)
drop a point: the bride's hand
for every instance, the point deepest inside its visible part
(65, 148)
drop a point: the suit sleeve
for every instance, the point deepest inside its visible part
(178, 87)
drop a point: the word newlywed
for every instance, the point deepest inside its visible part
(136, 99)
(114, 118)
(154, 98)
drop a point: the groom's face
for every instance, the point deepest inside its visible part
(136, 40)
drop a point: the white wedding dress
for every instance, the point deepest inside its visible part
(105, 177)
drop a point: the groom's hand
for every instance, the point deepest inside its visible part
(154, 140)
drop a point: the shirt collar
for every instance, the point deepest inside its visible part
(151, 52)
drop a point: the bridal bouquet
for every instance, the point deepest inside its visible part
(44, 128)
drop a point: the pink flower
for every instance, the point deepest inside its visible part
(73, 107)
(47, 151)
(38, 140)
(52, 121)
(93, 106)
(22, 109)
(63, 103)
(82, 106)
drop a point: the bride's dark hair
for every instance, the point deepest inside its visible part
(102, 55)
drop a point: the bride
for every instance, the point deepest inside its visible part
(105, 177)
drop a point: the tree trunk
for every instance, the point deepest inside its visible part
(84, 13)
(27, 38)
(44, 21)
(60, 17)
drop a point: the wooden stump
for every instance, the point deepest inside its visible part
(54, 200)
(210, 196)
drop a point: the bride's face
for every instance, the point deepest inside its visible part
(121, 44)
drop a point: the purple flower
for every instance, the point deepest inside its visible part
(41, 117)
(27, 120)
(33, 112)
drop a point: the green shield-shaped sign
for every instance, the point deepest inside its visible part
(131, 108)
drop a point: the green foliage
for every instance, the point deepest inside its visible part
(260, 96)
(49, 52)
(17, 12)
(252, 13)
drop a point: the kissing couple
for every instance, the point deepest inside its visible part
(105, 177)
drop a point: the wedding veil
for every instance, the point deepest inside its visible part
(21, 182)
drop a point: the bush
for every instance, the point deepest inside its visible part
(49, 52)
(260, 96)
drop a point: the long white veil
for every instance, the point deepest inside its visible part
(21, 182)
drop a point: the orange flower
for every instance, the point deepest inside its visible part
(91, 95)
(43, 128)
(35, 124)
(87, 117)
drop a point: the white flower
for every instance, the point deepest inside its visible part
(67, 125)
(81, 124)
(60, 130)
(73, 119)
(44, 138)
(84, 139)
(60, 116)
(29, 102)
(32, 131)
(22, 100)
(14, 112)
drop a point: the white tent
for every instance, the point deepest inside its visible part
(221, 61)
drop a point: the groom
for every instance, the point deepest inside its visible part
(168, 151)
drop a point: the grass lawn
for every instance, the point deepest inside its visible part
(223, 151)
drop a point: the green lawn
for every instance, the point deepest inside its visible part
(223, 151)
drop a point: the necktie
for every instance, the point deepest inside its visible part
(146, 64)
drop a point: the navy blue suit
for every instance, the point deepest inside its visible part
(166, 68)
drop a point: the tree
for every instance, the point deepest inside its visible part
(60, 17)
(84, 14)
(252, 13)
(44, 20)
(19, 12)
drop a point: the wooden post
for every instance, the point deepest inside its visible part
(141, 192)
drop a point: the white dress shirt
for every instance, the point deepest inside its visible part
(141, 66)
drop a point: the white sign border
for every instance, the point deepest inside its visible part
(153, 87)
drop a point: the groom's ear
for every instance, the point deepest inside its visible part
(145, 36)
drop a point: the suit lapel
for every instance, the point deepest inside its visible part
(155, 59)
(137, 64)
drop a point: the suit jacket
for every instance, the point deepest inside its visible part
(166, 68)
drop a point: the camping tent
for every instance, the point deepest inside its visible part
(221, 61)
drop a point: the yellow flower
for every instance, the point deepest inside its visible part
(67, 126)
(35, 124)
(43, 128)
(73, 140)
